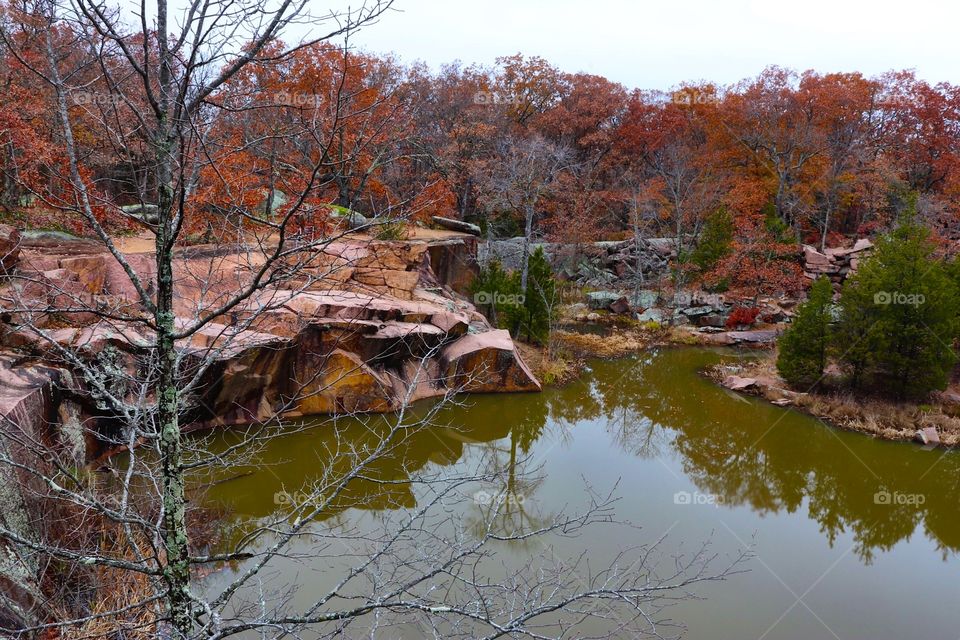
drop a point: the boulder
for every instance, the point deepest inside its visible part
(621, 305)
(91, 271)
(602, 299)
(927, 436)
(695, 312)
(337, 383)
(352, 219)
(58, 242)
(485, 362)
(710, 330)
(814, 258)
(147, 213)
(653, 315)
(644, 299)
(756, 336)
(713, 320)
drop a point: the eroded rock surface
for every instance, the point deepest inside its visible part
(361, 326)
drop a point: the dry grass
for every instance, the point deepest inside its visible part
(117, 591)
(617, 343)
(569, 350)
(683, 335)
(554, 369)
(881, 418)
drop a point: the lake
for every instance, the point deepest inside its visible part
(854, 537)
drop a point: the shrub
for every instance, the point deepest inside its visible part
(742, 316)
(496, 293)
(540, 298)
(392, 230)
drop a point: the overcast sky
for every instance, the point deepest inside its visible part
(656, 45)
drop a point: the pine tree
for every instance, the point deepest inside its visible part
(899, 317)
(496, 292)
(715, 240)
(540, 298)
(803, 346)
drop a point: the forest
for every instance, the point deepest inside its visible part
(785, 157)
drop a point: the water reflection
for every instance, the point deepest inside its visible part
(774, 460)
(652, 406)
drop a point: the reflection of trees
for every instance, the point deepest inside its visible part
(512, 508)
(752, 453)
(749, 452)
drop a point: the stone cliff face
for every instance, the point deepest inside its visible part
(362, 326)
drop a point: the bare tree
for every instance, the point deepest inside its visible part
(517, 180)
(153, 363)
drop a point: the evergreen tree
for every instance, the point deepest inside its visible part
(715, 241)
(803, 346)
(496, 292)
(540, 298)
(899, 317)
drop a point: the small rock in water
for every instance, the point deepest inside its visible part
(927, 435)
(738, 383)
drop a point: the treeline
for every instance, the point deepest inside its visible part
(520, 148)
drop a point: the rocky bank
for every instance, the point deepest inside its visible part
(362, 326)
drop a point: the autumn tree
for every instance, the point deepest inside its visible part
(776, 126)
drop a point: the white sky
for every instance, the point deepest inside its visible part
(658, 44)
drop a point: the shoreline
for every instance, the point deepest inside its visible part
(934, 423)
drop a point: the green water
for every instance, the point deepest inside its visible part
(834, 557)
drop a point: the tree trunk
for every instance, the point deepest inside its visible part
(176, 571)
(525, 265)
(176, 539)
